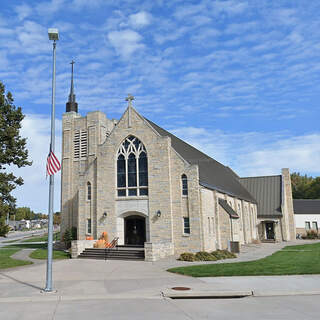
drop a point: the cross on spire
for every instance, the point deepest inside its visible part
(72, 96)
(129, 98)
(72, 104)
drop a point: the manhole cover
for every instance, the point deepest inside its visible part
(180, 288)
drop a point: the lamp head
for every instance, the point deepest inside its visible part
(105, 214)
(158, 213)
(53, 34)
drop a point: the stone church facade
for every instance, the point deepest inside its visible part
(145, 186)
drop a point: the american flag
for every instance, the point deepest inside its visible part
(53, 164)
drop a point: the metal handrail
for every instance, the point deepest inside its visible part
(112, 245)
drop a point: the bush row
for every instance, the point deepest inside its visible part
(206, 256)
(312, 234)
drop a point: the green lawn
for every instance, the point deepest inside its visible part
(303, 259)
(39, 253)
(42, 254)
(7, 262)
(56, 236)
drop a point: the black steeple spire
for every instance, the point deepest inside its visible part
(72, 105)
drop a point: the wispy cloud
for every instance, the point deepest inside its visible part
(125, 42)
(140, 19)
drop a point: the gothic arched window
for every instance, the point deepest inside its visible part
(88, 191)
(184, 182)
(132, 168)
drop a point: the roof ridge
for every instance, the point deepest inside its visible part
(269, 176)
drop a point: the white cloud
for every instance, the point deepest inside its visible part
(49, 7)
(23, 11)
(32, 38)
(189, 10)
(140, 19)
(80, 4)
(125, 42)
(231, 7)
(299, 153)
(172, 35)
(34, 192)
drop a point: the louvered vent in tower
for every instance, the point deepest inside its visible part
(76, 144)
(80, 144)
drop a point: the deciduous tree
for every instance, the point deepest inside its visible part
(12, 152)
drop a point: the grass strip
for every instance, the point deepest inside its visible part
(7, 262)
(305, 259)
(43, 254)
(56, 236)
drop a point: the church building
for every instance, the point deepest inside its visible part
(146, 187)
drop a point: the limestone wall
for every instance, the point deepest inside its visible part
(288, 221)
(78, 246)
(156, 251)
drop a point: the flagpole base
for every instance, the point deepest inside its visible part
(45, 290)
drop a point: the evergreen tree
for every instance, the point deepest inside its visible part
(12, 152)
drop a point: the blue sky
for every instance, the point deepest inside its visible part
(239, 80)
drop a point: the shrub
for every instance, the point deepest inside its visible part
(74, 233)
(67, 238)
(223, 254)
(205, 256)
(187, 256)
(4, 229)
(312, 234)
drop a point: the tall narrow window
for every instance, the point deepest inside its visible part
(132, 174)
(121, 175)
(307, 225)
(132, 168)
(186, 225)
(184, 181)
(88, 191)
(143, 174)
(89, 226)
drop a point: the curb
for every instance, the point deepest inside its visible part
(276, 293)
(197, 294)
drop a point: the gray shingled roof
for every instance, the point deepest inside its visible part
(212, 174)
(267, 190)
(306, 206)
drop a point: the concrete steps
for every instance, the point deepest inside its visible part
(118, 253)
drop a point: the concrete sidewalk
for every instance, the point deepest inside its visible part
(96, 279)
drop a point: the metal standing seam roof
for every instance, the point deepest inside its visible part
(306, 206)
(267, 190)
(212, 174)
(224, 204)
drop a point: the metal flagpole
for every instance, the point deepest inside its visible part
(53, 35)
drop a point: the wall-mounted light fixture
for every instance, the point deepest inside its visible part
(158, 213)
(105, 214)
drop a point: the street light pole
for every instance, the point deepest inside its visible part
(53, 35)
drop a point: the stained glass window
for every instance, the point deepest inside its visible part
(132, 168)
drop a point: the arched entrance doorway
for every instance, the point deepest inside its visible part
(134, 230)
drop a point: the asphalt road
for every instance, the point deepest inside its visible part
(17, 235)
